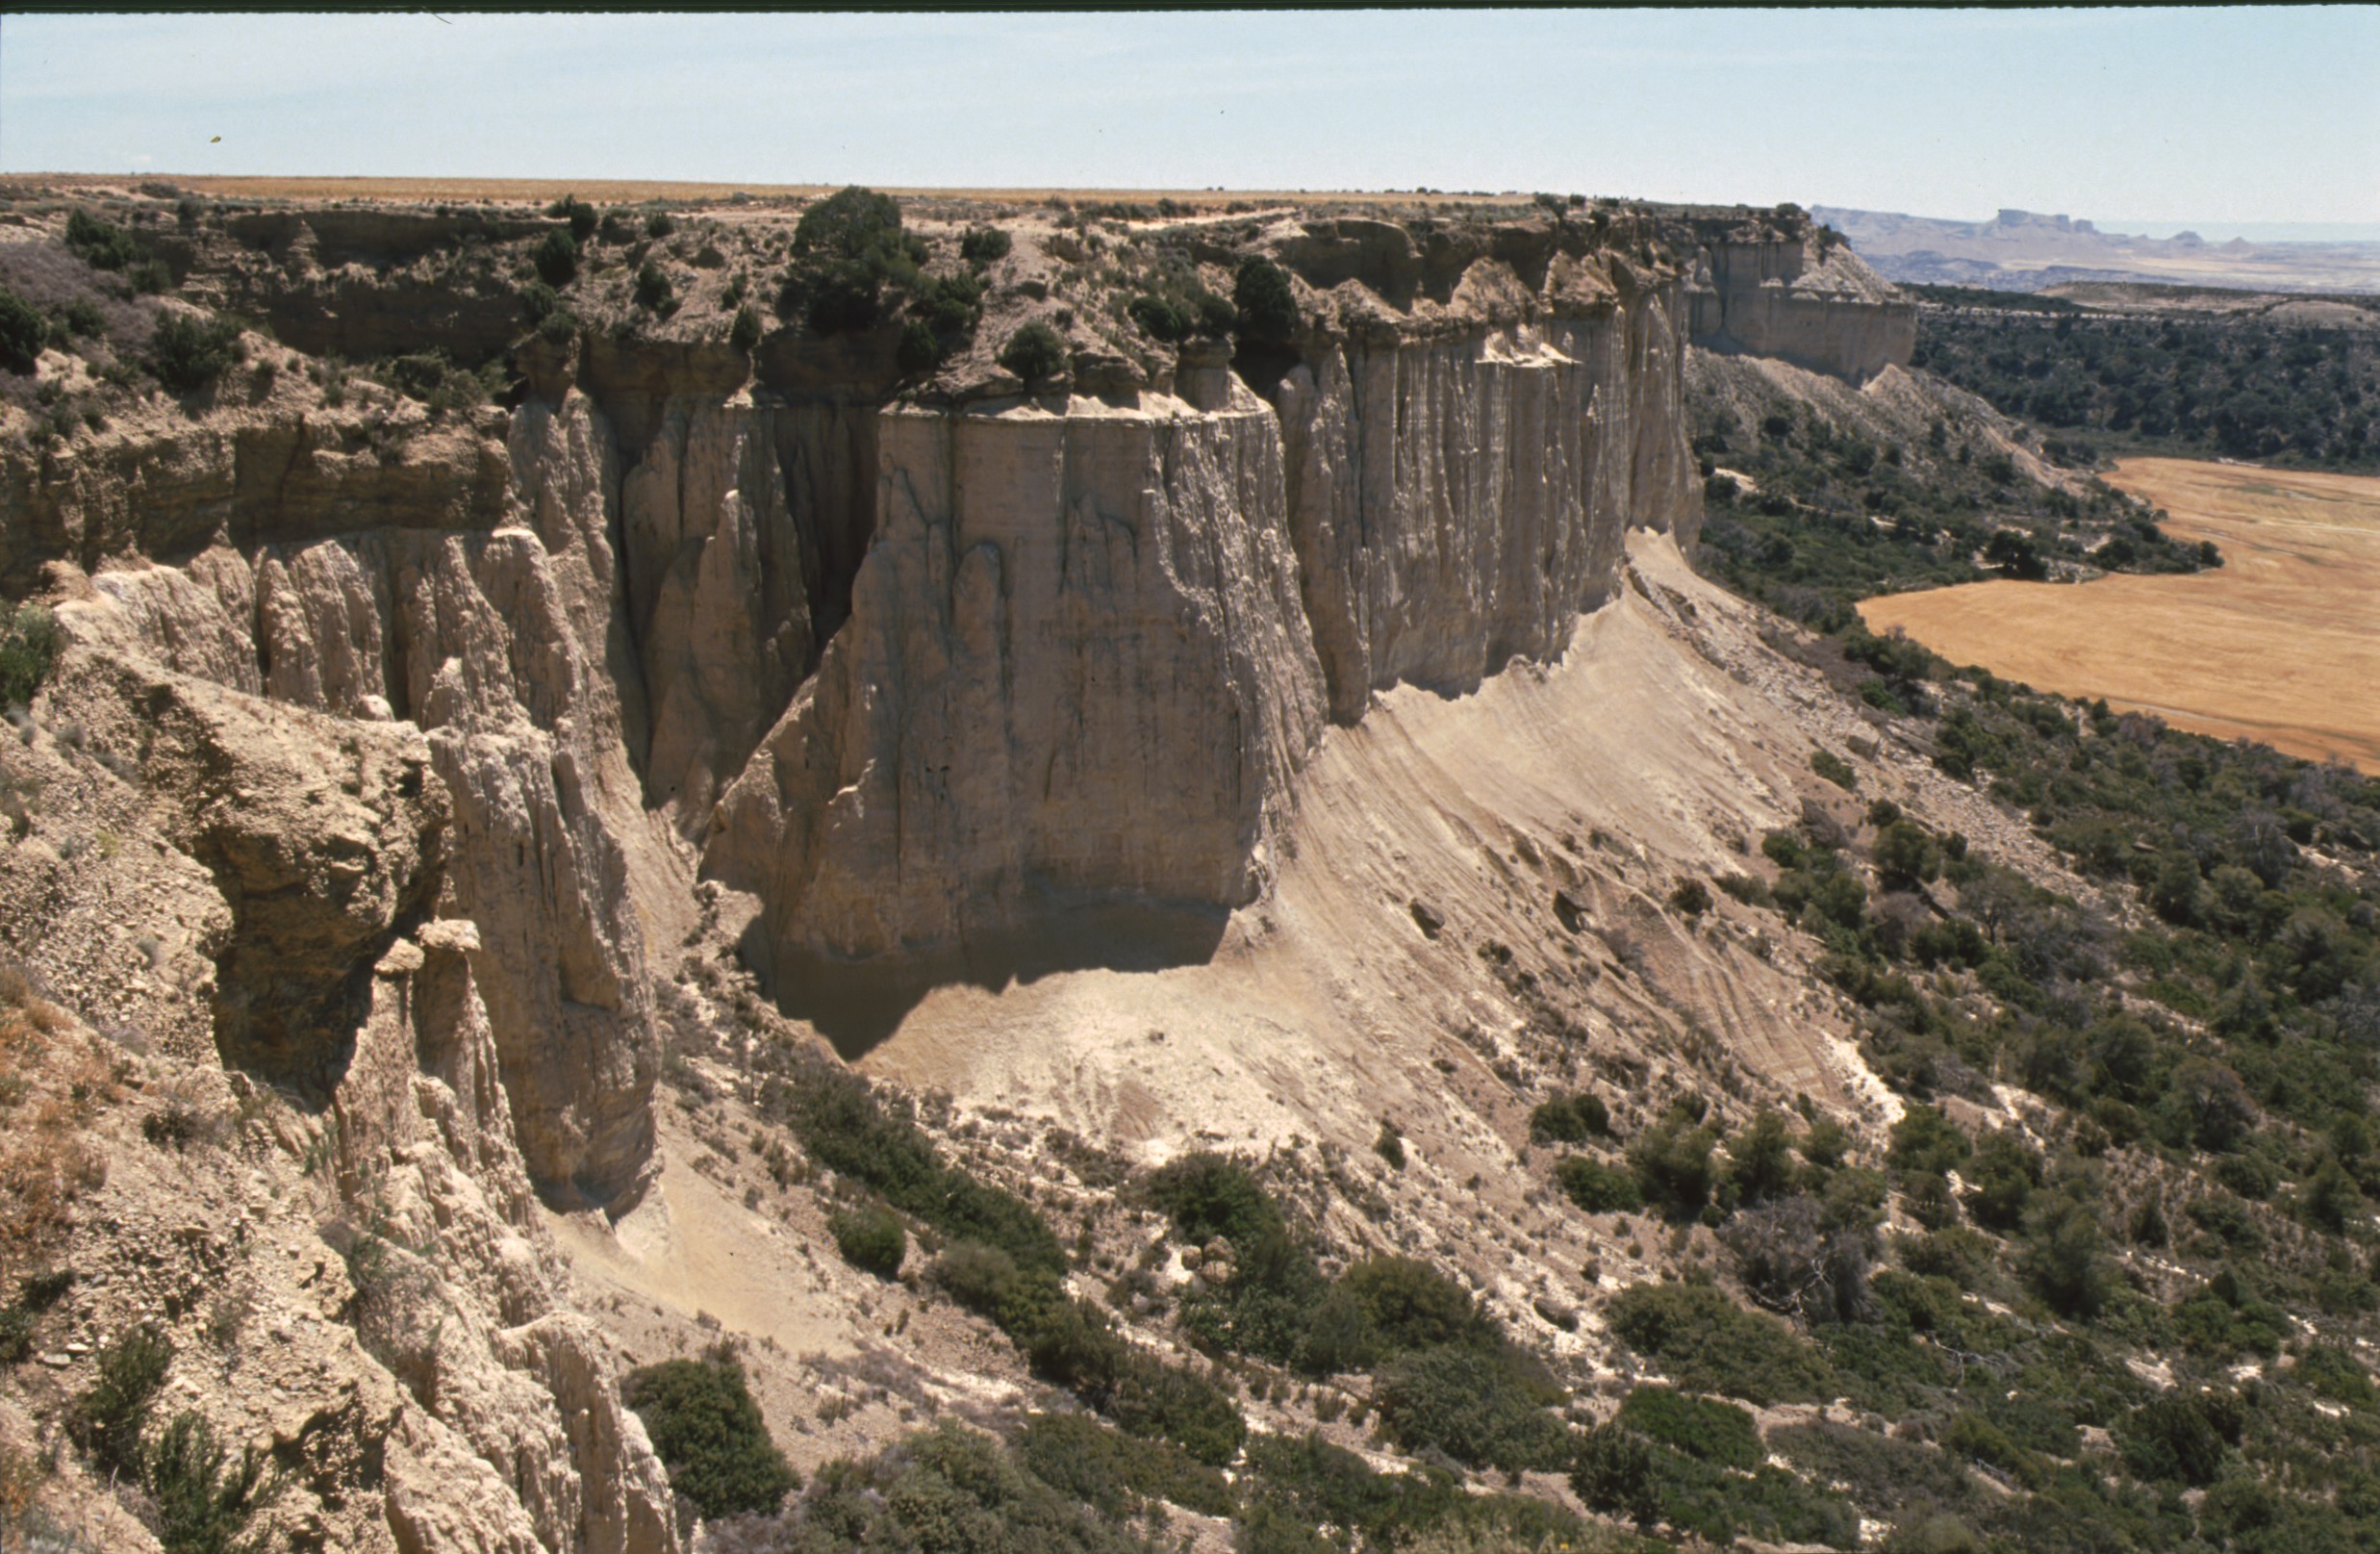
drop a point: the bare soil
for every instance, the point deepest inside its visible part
(2281, 644)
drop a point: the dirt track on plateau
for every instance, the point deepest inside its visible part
(2281, 644)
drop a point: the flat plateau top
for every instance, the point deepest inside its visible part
(512, 191)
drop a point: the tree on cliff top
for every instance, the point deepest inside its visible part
(845, 249)
(1268, 308)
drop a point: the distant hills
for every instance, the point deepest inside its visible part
(2022, 251)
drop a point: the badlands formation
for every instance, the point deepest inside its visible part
(1166, 749)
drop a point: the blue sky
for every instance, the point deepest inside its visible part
(2243, 116)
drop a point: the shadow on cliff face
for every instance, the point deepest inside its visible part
(857, 1005)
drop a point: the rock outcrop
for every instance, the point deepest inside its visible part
(1069, 626)
(1458, 500)
(1799, 296)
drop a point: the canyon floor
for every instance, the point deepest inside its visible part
(2276, 645)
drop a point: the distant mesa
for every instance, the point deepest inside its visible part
(2021, 251)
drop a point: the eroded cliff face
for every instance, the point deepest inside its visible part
(1798, 295)
(1075, 670)
(1456, 501)
(925, 676)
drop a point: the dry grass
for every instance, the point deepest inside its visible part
(621, 191)
(2280, 645)
(53, 1079)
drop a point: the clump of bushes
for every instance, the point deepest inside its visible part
(23, 332)
(1570, 1119)
(108, 1421)
(653, 291)
(1035, 352)
(869, 1240)
(101, 244)
(1003, 1261)
(1597, 1188)
(848, 1130)
(580, 215)
(204, 1500)
(980, 246)
(189, 350)
(29, 645)
(847, 248)
(1116, 1474)
(1266, 304)
(1177, 312)
(708, 1432)
(556, 258)
(1708, 1342)
(950, 1488)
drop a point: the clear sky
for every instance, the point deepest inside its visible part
(2245, 115)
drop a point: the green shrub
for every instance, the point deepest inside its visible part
(2061, 1257)
(1973, 1437)
(653, 291)
(559, 327)
(1295, 1485)
(580, 215)
(1708, 1342)
(204, 1503)
(659, 224)
(1672, 1166)
(1035, 352)
(1691, 898)
(1925, 1142)
(556, 258)
(16, 1328)
(1266, 304)
(1154, 1399)
(539, 300)
(1339, 1335)
(108, 1419)
(948, 1491)
(708, 1432)
(2001, 1178)
(869, 1240)
(1414, 1305)
(1614, 1473)
(918, 352)
(1389, 1146)
(1834, 769)
(1718, 1432)
(1117, 1474)
(1208, 1195)
(1760, 1159)
(744, 332)
(846, 248)
(100, 245)
(848, 1130)
(188, 351)
(1597, 1188)
(948, 304)
(1569, 1119)
(1470, 1404)
(29, 645)
(23, 332)
(1160, 319)
(983, 245)
(2178, 1439)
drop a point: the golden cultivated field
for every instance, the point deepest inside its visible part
(2281, 644)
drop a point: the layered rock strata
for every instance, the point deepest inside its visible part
(1076, 667)
(1798, 295)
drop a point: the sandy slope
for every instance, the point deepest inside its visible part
(2281, 644)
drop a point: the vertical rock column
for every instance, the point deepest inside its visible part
(1075, 671)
